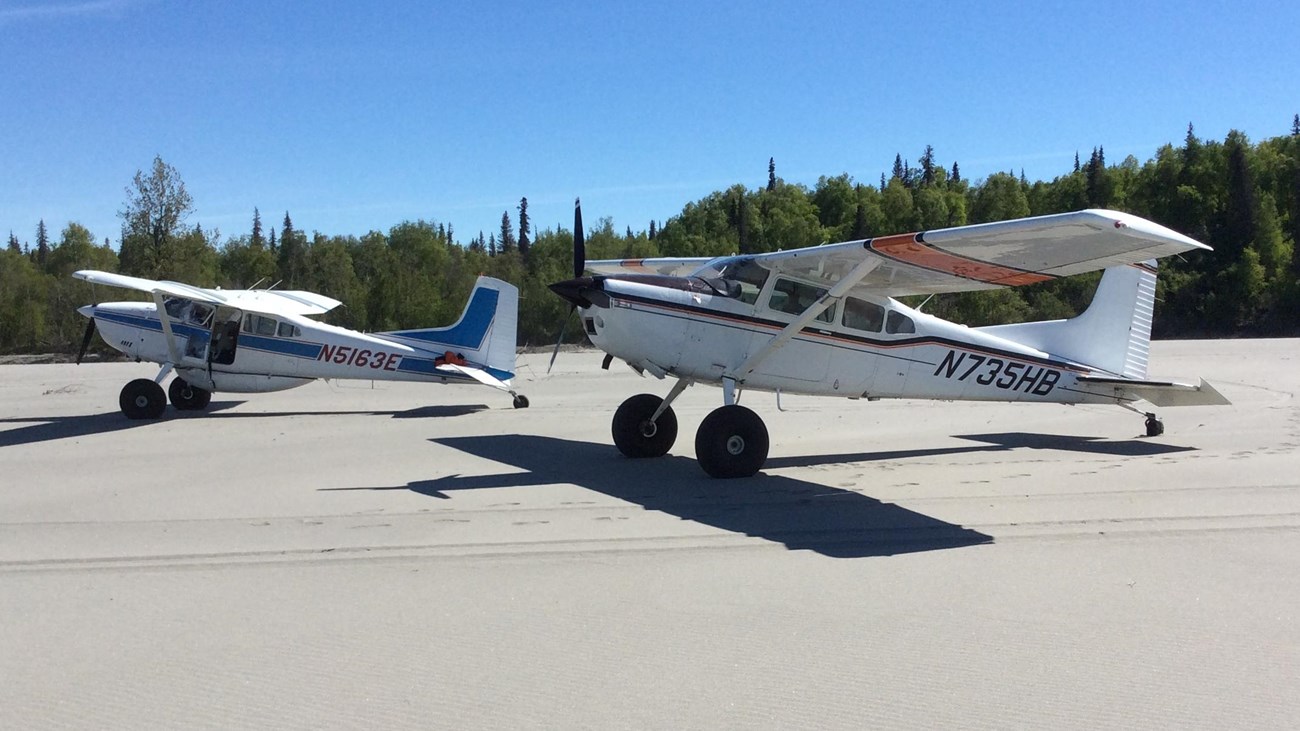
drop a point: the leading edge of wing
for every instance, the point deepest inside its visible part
(666, 266)
(990, 255)
(268, 301)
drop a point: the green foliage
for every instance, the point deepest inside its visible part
(1239, 197)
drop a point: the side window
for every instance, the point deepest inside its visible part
(863, 315)
(248, 323)
(265, 325)
(794, 298)
(288, 330)
(898, 324)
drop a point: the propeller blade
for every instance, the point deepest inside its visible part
(559, 342)
(85, 340)
(579, 241)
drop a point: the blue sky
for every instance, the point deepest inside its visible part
(357, 116)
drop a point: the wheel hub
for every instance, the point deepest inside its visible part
(649, 429)
(735, 444)
(142, 401)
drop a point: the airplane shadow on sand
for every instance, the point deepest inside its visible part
(1003, 442)
(800, 515)
(44, 429)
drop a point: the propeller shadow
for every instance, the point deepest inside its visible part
(800, 515)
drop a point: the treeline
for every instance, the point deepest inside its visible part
(1243, 199)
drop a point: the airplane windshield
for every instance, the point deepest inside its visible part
(736, 276)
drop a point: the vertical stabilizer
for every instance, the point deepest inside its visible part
(485, 332)
(1112, 335)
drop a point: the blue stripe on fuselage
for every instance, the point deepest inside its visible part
(469, 332)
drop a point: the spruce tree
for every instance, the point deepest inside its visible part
(900, 172)
(42, 243)
(507, 239)
(956, 174)
(771, 173)
(653, 231)
(1076, 161)
(256, 241)
(1295, 126)
(524, 243)
(492, 244)
(13, 243)
(927, 166)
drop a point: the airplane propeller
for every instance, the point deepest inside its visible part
(579, 265)
(85, 340)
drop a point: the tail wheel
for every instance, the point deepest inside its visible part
(142, 399)
(635, 435)
(731, 442)
(185, 396)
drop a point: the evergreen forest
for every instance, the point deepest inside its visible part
(1241, 198)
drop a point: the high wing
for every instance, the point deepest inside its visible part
(987, 255)
(268, 301)
(668, 266)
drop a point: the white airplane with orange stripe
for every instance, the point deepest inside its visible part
(824, 321)
(258, 340)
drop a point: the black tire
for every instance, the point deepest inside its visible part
(187, 397)
(731, 442)
(1155, 427)
(142, 399)
(521, 401)
(635, 436)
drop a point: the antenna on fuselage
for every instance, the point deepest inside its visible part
(263, 279)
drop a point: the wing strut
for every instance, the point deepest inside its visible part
(840, 288)
(172, 348)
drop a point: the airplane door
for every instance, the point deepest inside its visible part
(225, 336)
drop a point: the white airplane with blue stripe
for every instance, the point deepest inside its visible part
(259, 340)
(824, 321)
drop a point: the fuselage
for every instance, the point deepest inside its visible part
(861, 347)
(222, 349)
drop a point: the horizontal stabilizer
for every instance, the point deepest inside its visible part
(482, 376)
(1160, 393)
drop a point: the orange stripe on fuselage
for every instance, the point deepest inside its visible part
(907, 249)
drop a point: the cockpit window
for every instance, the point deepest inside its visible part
(863, 315)
(898, 324)
(259, 325)
(188, 311)
(735, 276)
(796, 297)
(750, 276)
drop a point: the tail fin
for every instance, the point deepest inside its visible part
(1112, 335)
(485, 332)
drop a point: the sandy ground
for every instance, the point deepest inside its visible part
(389, 555)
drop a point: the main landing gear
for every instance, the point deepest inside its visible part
(1155, 427)
(731, 441)
(144, 398)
